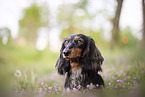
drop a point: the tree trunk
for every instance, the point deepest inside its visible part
(115, 31)
(143, 35)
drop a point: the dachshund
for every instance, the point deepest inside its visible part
(80, 60)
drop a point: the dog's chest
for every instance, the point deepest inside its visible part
(75, 78)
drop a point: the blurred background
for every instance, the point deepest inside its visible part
(31, 33)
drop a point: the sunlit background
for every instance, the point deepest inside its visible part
(94, 16)
(31, 33)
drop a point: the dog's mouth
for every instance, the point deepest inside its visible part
(70, 58)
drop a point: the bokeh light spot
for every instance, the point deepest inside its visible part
(125, 40)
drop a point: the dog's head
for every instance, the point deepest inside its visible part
(81, 48)
(73, 46)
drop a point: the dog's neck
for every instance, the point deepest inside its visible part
(75, 65)
(76, 76)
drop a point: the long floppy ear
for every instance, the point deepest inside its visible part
(62, 65)
(91, 58)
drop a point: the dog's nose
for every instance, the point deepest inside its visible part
(66, 52)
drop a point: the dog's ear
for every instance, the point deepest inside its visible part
(91, 57)
(62, 65)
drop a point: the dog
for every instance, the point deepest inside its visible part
(80, 60)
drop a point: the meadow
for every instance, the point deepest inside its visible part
(25, 71)
(117, 27)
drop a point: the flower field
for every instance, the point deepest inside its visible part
(33, 74)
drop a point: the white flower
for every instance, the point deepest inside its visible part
(67, 90)
(91, 86)
(74, 89)
(18, 73)
(49, 88)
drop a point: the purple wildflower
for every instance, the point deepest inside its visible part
(79, 86)
(22, 91)
(68, 90)
(40, 90)
(55, 88)
(109, 83)
(117, 80)
(123, 86)
(49, 91)
(45, 88)
(116, 87)
(97, 85)
(113, 68)
(120, 81)
(42, 83)
(134, 81)
(143, 71)
(113, 77)
(88, 86)
(124, 73)
(106, 76)
(99, 72)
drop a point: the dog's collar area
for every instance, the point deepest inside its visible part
(75, 65)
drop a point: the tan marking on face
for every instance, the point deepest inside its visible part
(75, 52)
(68, 38)
(76, 38)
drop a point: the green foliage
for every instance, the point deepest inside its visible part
(44, 11)
(30, 23)
(5, 33)
(34, 17)
(82, 4)
(31, 18)
(132, 40)
(97, 36)
(70, 20)
(71, 30)
(26, 59)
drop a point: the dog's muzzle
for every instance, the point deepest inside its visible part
(67, 52)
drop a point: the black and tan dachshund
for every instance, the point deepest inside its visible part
(80, 60)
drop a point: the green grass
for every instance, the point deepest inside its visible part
(25, 71)
(16, 57)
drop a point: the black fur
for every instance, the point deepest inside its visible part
(90, 60)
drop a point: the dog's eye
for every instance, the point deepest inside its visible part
(66, 42)
(80, 42)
